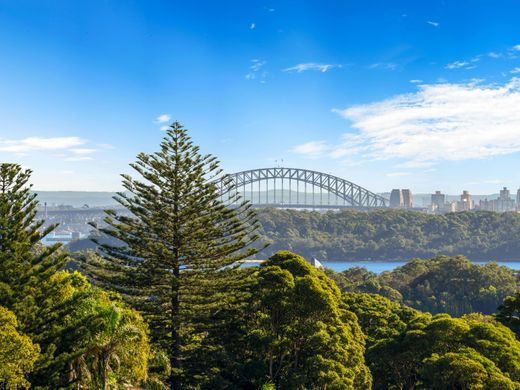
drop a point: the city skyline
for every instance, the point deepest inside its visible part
(386, 96)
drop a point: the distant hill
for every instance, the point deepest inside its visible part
(101, 199)
(87, 244)
(381, 235)
(424, 199)
(390, 234)
(76, 198)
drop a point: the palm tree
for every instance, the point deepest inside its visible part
(121, 348)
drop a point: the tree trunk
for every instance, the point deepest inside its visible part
(104, 384)
(175, 361)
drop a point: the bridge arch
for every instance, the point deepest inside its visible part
(289, 188)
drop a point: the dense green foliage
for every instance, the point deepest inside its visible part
(409, 349)
(445, 352)
(17, 352)
(379, 317)
(391, 234)
(443, 284)
(59, 311)
(297, 332)
(509, 313)
(182, 242)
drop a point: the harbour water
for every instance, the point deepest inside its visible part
(381, 266)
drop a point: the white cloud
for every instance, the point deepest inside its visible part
(416, 164)
(78, 158)
(105, 146)
(416, 81)
(434, 24)
(255, 70)
(82, 151)
(397, 174)
(439, 122)
(163, 118)
(164, 128)
(38, 144)
(311, 66)
(457, 65)
(464, 64)
(493, 54)
(516, 70)
(311, 149)
(516, 47)
(383, 65)
(252, 26)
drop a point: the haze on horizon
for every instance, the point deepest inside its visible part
(400, 95)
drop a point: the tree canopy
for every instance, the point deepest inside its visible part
(443, 284)
(298, 333)
(181, 244)
(17, 352)
(390, 234)
(444, 352)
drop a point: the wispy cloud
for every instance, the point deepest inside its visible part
(311, 149)
(255, 70)
(432, 23)
(252, 26)
(105, 146)
(80, 154)
(312, 66)
(516, 47)
(78, 158)
(383, 65)
(515, 70)
(463, 64)
(439, 122)
(164, 128)
(416, 164)
(397, 174)
(39, 144)
(82, 151)
(416, 81)
(163, 118)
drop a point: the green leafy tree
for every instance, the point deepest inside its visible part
(466, 369)
(443, 284)
(21, 269)
(391, 234)
(509, 313)
(17, 353)
(57, 309)
(379, 317)
(119, 351)
(180, 244)
(27, 269)
(299, 333)
(445, 352)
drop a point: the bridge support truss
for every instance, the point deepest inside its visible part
(297, 188)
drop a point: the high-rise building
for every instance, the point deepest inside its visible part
(407, 199)
(396, 199)
(466, 202)
(438, 200)
(505, 194)
(503, 204)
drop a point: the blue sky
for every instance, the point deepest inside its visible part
(387, 94)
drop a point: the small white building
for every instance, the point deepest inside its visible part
(315, 263)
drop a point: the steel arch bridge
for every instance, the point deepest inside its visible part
(297, 188)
